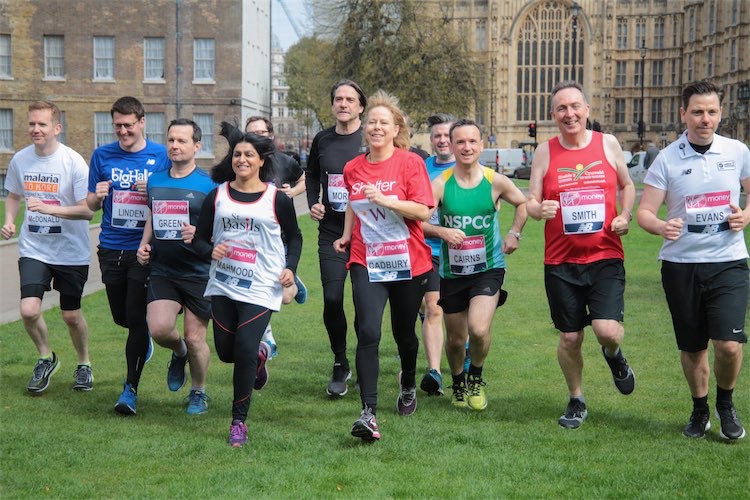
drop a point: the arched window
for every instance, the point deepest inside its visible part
(545, 56)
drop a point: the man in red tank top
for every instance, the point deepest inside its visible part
(575, 178)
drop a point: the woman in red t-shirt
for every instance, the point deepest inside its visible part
(389, 197)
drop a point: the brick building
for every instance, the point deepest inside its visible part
(208, 60)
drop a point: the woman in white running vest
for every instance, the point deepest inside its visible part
(241, 226)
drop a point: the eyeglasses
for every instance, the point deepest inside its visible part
(258, 132)
(126, 126)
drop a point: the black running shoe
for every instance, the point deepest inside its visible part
(83, 380)
(731, 427)
(699, 423)
(338, 387)
(574, 415)
(43, 371)
(622, 374)
(366, 427)
(406, 404)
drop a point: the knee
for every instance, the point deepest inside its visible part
(195, 341)
(30, 310)
(727, 349)
(72, 318)
(433, 312)
(571, 341)
(609, 331)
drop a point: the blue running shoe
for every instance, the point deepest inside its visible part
(126, 404)
(432, 383)
(301, 296)
(272, 347)
(150, 351)
(176, 377)
(197, 403)
(467, 359)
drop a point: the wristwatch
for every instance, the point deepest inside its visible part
(516, 234)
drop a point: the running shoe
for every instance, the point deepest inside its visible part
(83, 379)
(301, 296)
(366, 427)
(477, 400)
(176, 376)
(338, 387)
(128, 399)
(731, 427)
(406, 404)
(237, 434)
(268, 339)
(575, 414)
(43, 371)
(197, 403)
(460, 394)
(432, 383)
(699, 423)
(261, 372)
(622, 374)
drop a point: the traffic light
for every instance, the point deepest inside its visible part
(532, 129)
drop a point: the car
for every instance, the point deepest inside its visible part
(637, 166)
(524, 172)
(506, 161)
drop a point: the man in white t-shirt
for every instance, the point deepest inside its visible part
(54, 240)
(704, 256)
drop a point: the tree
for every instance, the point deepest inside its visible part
(395, 45)
(309, 75)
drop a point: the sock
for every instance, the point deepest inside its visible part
(48, 357)
(580, 398)
(341, 359)
(612, 355)
(199, 389)
(700, 403)
(723, 397)
(268, 335)
(459, 379)
(475, 371)
(88, 363)
(181, 351)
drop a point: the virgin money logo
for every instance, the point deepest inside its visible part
(708, 200)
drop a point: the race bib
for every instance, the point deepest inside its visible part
(43, 223)
(708, 213)
(338, 196)
(237, 267)
(470, 257)
(168, 217)
(582, 211)
(388, 261)
(129, 209)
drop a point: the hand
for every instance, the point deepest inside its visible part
(736, 219)
(549, 209)
(317, 211)
(140, 186)
(286, 278)
(8, 231)
(188, 233)
(36, 205)
(454, 237)
(102, 190)
(672, 229)
(287, 190)
(219, 251)
(620, 225)
(510, 244)
(374, 195)
(341, 244)
(143, 254)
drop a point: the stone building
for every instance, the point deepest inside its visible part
(208, 60)
(632, 56)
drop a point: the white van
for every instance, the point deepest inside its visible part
(505, 161)
(637, 166)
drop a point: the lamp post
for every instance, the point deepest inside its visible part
(492, 102)
(576, 11)
(641, 120)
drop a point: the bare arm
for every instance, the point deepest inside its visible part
(79, 211)
(450, 235)
(651, 199)
(143, 254)
(502, 187)
(614, 154)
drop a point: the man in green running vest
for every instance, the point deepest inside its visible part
(472, 256)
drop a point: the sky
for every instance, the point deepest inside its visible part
(280, 25)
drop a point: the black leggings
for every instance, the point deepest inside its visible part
(238, 328)
(405, 298)
(333, 277)
(125, 281)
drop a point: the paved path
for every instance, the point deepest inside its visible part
(9, 280)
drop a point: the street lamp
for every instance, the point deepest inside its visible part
(576, 11)
(641, 121)
(492, 102)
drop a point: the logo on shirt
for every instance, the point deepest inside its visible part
(725, 165)
(127, 178)
(580, 169)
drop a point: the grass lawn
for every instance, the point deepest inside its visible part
(66, 444)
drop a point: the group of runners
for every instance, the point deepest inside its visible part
(423, 236)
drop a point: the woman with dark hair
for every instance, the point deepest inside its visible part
(389, 198)
(241, 226)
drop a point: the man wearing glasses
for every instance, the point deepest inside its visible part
(117, 184)
(288, 177)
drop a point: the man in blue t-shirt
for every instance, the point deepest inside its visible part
(117, 185)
